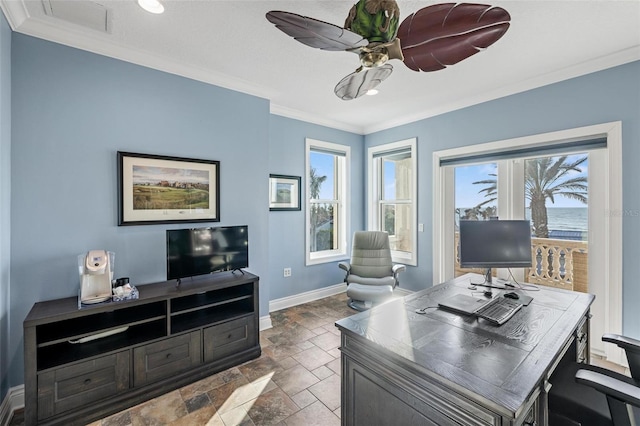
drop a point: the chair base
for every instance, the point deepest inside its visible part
(359, 305)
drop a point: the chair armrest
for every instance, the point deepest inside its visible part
(609, 386)
(626, 343)
(396, 269)
(632, 351)
(344, 265)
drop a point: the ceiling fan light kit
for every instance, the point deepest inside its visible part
(152, 6)
(430, 39)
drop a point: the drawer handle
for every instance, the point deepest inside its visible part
(169, 355)
(229, 336)
(87, 381)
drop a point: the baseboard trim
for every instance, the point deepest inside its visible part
(14, 400)
(265, 322)
(309, 296)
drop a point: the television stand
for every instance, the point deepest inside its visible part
(85, 364)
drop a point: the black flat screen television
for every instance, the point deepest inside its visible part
(200, 251)
(495, 244)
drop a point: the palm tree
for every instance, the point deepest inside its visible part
(315, 182)
(545, 178)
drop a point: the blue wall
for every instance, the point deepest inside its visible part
(287, 229)
(601, 97)
(73, 110)
(5, 202)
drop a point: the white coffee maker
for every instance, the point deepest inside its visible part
(96, 273)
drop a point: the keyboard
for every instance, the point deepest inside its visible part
(499, 310)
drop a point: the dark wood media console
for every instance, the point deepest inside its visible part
(167, 338)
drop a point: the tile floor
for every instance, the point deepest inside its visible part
(296, 381)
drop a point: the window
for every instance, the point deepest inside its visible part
(327, 210)
(578, 244)
(392, 197)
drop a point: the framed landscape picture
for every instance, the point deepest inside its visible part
(156, 189)
(284, 192)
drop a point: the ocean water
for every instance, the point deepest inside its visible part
(565, 218)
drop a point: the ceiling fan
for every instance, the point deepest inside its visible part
(430, 39)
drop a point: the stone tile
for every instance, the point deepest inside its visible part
(335, 353)
(328, 391)
(326, 341)
(280, 351)
(235, 394)
(331, 328)
(263, 367)
(206, 416)
(197, 402)
(209, 383)
(159, 411)
(305, 345)
(311, 321)
(315, 414)
(338, 412)
(304, 398)
(122, 418)
(322, 372)
(313, 358)
(271, 407)
(335, 366)
(295, 380)
(287, 363)
(237, 417)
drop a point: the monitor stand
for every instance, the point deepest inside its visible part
(489, 283)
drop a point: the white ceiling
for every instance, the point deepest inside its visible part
(231, 44)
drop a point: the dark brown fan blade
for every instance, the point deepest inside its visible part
(314, 33)
(444, 34)
(358, 83)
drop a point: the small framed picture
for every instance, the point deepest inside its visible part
(159, 189)
(284, 192)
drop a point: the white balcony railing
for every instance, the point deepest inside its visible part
(556, 263)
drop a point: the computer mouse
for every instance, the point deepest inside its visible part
(512, 295)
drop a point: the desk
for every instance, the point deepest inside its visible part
(441, 368)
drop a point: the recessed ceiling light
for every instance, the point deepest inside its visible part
(153, 6)
(372, 92)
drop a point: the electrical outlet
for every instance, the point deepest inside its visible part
(287, 272)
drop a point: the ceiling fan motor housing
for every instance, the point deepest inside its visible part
(375, 20)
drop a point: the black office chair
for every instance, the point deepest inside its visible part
(587, 395)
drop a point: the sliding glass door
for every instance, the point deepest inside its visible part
(568, 184)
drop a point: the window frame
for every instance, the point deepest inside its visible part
(608, 235)
(375, 194)
(342, 182)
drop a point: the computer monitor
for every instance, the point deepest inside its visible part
(495, 244)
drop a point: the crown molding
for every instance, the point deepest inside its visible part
(78, 37)
(15, 11)
(609, 61)
(314, 119)
(85, 39)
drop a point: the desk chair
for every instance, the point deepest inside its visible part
(584, 394)
(371, 275)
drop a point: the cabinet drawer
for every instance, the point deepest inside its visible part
(166, 358)
(70, 387)
(228, 338)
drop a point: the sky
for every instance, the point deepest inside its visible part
(467, 193)
(323, 163)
